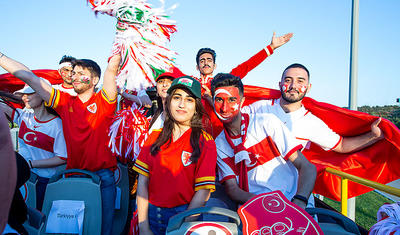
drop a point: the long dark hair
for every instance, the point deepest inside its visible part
(165, 136)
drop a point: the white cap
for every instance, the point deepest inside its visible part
(28, 90)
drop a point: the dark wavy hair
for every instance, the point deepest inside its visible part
(165, 136)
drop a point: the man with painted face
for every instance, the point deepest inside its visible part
(65, 71)
(256, 152)
(294, 85)
(86, 119)
(205, 61)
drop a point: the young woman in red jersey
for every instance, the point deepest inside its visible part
(177, 163)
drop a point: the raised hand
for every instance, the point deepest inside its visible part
(279, 41)
(376, 131)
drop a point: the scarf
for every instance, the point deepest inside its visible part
(241, 155)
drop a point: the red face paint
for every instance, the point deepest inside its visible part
(227, 103)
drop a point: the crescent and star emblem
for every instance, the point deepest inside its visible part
(26, 137)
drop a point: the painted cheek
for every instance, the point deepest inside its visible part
(285, 87)
(85, 79)
(303, 88)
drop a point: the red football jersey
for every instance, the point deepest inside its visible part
(173, 177)
(86, 127)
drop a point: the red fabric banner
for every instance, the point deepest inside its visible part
(10, 83)
(379, 162)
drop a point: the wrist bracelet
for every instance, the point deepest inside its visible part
(1, 54)
(301, 198)
(30, 164)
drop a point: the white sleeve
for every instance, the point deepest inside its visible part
(17, 116)
(142, 93)
(322, 135)
(261, 106)
(59, 148)
(224, 170)
(284, 140)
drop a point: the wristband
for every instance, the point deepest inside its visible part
(301, 198)
(30, 164)
(1, 54)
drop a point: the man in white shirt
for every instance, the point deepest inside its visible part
(294, 85)
(256, 152)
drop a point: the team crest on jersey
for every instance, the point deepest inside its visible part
(186, 158)
(92, 108)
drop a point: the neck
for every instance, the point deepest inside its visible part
(204, 75)
(289, 107)
(66, 85)
(233, 128)
(86, 95)
(42, 114)
(179, 130)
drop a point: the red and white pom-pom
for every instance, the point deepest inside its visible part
(141, 38)
(128, 132)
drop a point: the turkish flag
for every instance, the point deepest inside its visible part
(10, 83)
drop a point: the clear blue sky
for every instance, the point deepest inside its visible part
(39, 33)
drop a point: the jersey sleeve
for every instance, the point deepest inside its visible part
(16, 116)
(261, 106)
(324, 136)
(58, 100)
(280, 134)
(244, 68)
(206, 165)
(60, 148)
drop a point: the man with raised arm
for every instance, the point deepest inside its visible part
(86, 119)
(205, 61)
(256, 152)
(294, 85)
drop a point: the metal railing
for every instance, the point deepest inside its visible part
(344, 186)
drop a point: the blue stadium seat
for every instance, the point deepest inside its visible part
(35, 222)
(28, 190)
(80, 189)
(121, 212)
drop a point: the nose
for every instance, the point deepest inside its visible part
(181, 103)
(224, 107)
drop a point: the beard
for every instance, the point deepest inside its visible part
(291, 99)
(84, 88)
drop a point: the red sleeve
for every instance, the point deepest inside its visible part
(58, 100)
(244, 68)
(206, 165)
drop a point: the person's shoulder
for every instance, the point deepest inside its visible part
(206, 136)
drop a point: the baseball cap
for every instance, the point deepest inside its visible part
(174, 72)
(28, 90)
(186, 82)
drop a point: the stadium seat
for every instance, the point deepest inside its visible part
(338, 224)
(121, 210)
(35, 222)
(219, 198)
(177, 226)
(80, 189)
(28, 191)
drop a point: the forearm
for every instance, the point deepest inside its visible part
(307, 176)
(46, 163)
(199, 199)
(26, 75)
(109, 84)
(143, 203)
(351, 144)
(237, 194)
(244, 68)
